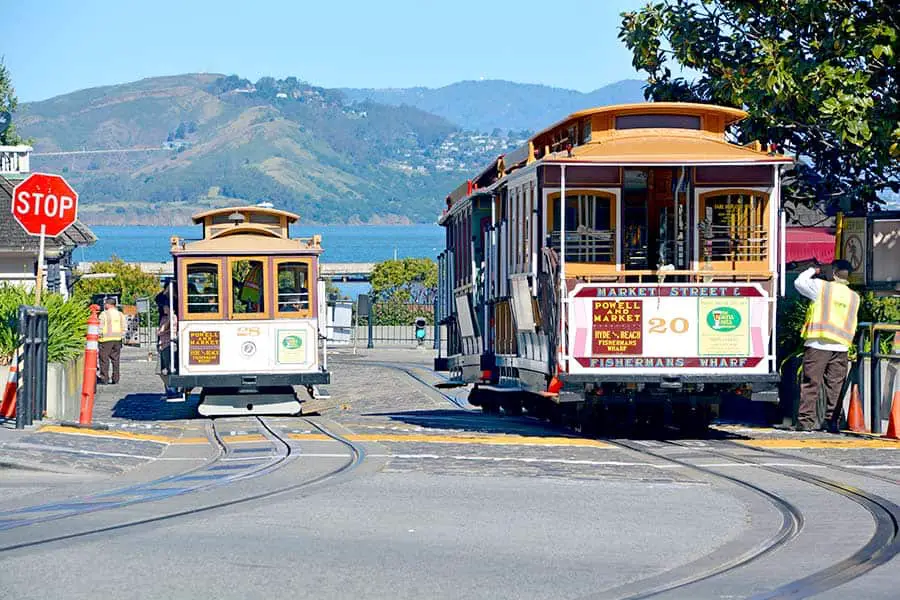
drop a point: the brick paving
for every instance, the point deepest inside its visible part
(371, 394)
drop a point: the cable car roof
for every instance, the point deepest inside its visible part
(666, 147)
(728, 114)
(246, 211)
(246, 242)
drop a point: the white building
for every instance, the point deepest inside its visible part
(18, 250)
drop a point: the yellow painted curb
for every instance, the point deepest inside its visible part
(838, 444)
(244, 439)
(190, 441)
(101, 433)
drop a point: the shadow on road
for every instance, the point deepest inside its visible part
(152, 407)
(478, 422)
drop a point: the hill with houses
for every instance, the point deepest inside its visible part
(156, 151)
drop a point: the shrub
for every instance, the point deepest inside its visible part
(66, 324)
(66, 327)
(880, 309)
(11, 297)
(395, 312)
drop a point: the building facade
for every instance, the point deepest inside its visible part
(18, 250)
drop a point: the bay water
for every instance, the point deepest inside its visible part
(341, 243)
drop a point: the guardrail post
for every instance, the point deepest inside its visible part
(869, 371)
(437, 328)
(31, 397)
(875, 404)
(39, 315)
(369, 319)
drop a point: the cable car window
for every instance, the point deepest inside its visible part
(590, 227)
(202, 288)
(293, 287)
(658, 121)
(733, 227)
(248, 294)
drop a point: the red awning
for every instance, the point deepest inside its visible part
(805, 243)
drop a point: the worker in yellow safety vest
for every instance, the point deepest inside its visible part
(112, 330)
(828, 333)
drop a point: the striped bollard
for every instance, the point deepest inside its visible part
(8, 404)
(89, 385)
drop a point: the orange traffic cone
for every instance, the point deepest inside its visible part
(8, 404)
(855, 419)
(893, 430)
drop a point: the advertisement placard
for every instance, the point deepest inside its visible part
(640, 327)
(204, 348)
(292, 346)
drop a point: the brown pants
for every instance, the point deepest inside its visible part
(109, 352)
(821, 367)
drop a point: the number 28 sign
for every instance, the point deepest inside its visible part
(44, 204)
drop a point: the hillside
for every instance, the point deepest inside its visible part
(194, 141)
(490, 104)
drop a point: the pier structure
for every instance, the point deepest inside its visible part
(339, 272)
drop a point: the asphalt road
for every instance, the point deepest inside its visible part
(442, 502)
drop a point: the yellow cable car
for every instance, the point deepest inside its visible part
(626, 255)
(248, 307)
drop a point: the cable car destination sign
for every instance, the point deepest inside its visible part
(688, 328)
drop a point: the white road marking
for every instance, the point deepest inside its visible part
(608, 463)
(563, 461)
(66, 450)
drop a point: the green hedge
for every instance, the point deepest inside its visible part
(66, 328)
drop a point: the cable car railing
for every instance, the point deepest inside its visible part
(586, 245)
(734, 243)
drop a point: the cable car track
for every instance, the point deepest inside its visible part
(356, 456)
(820, 463)
(460, 404)
(882, 546)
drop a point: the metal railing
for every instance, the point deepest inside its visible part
(31, 396)
(587, 245)
(872, 336)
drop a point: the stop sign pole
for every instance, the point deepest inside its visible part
(44, 205)
(39, 276)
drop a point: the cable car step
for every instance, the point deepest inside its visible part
(450, 384)
(219, 402)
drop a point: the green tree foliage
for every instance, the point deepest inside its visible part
(404, 290)
(66, 324)
(8, 103)
(819, 78)
(129, 279)
(409, 280)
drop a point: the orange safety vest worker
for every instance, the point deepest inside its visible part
(112, 325)
(832, 316)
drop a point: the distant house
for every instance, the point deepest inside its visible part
(281, 95)
(18, 250)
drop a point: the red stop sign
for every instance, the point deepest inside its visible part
(44, 202)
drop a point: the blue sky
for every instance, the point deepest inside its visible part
(59, 46)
